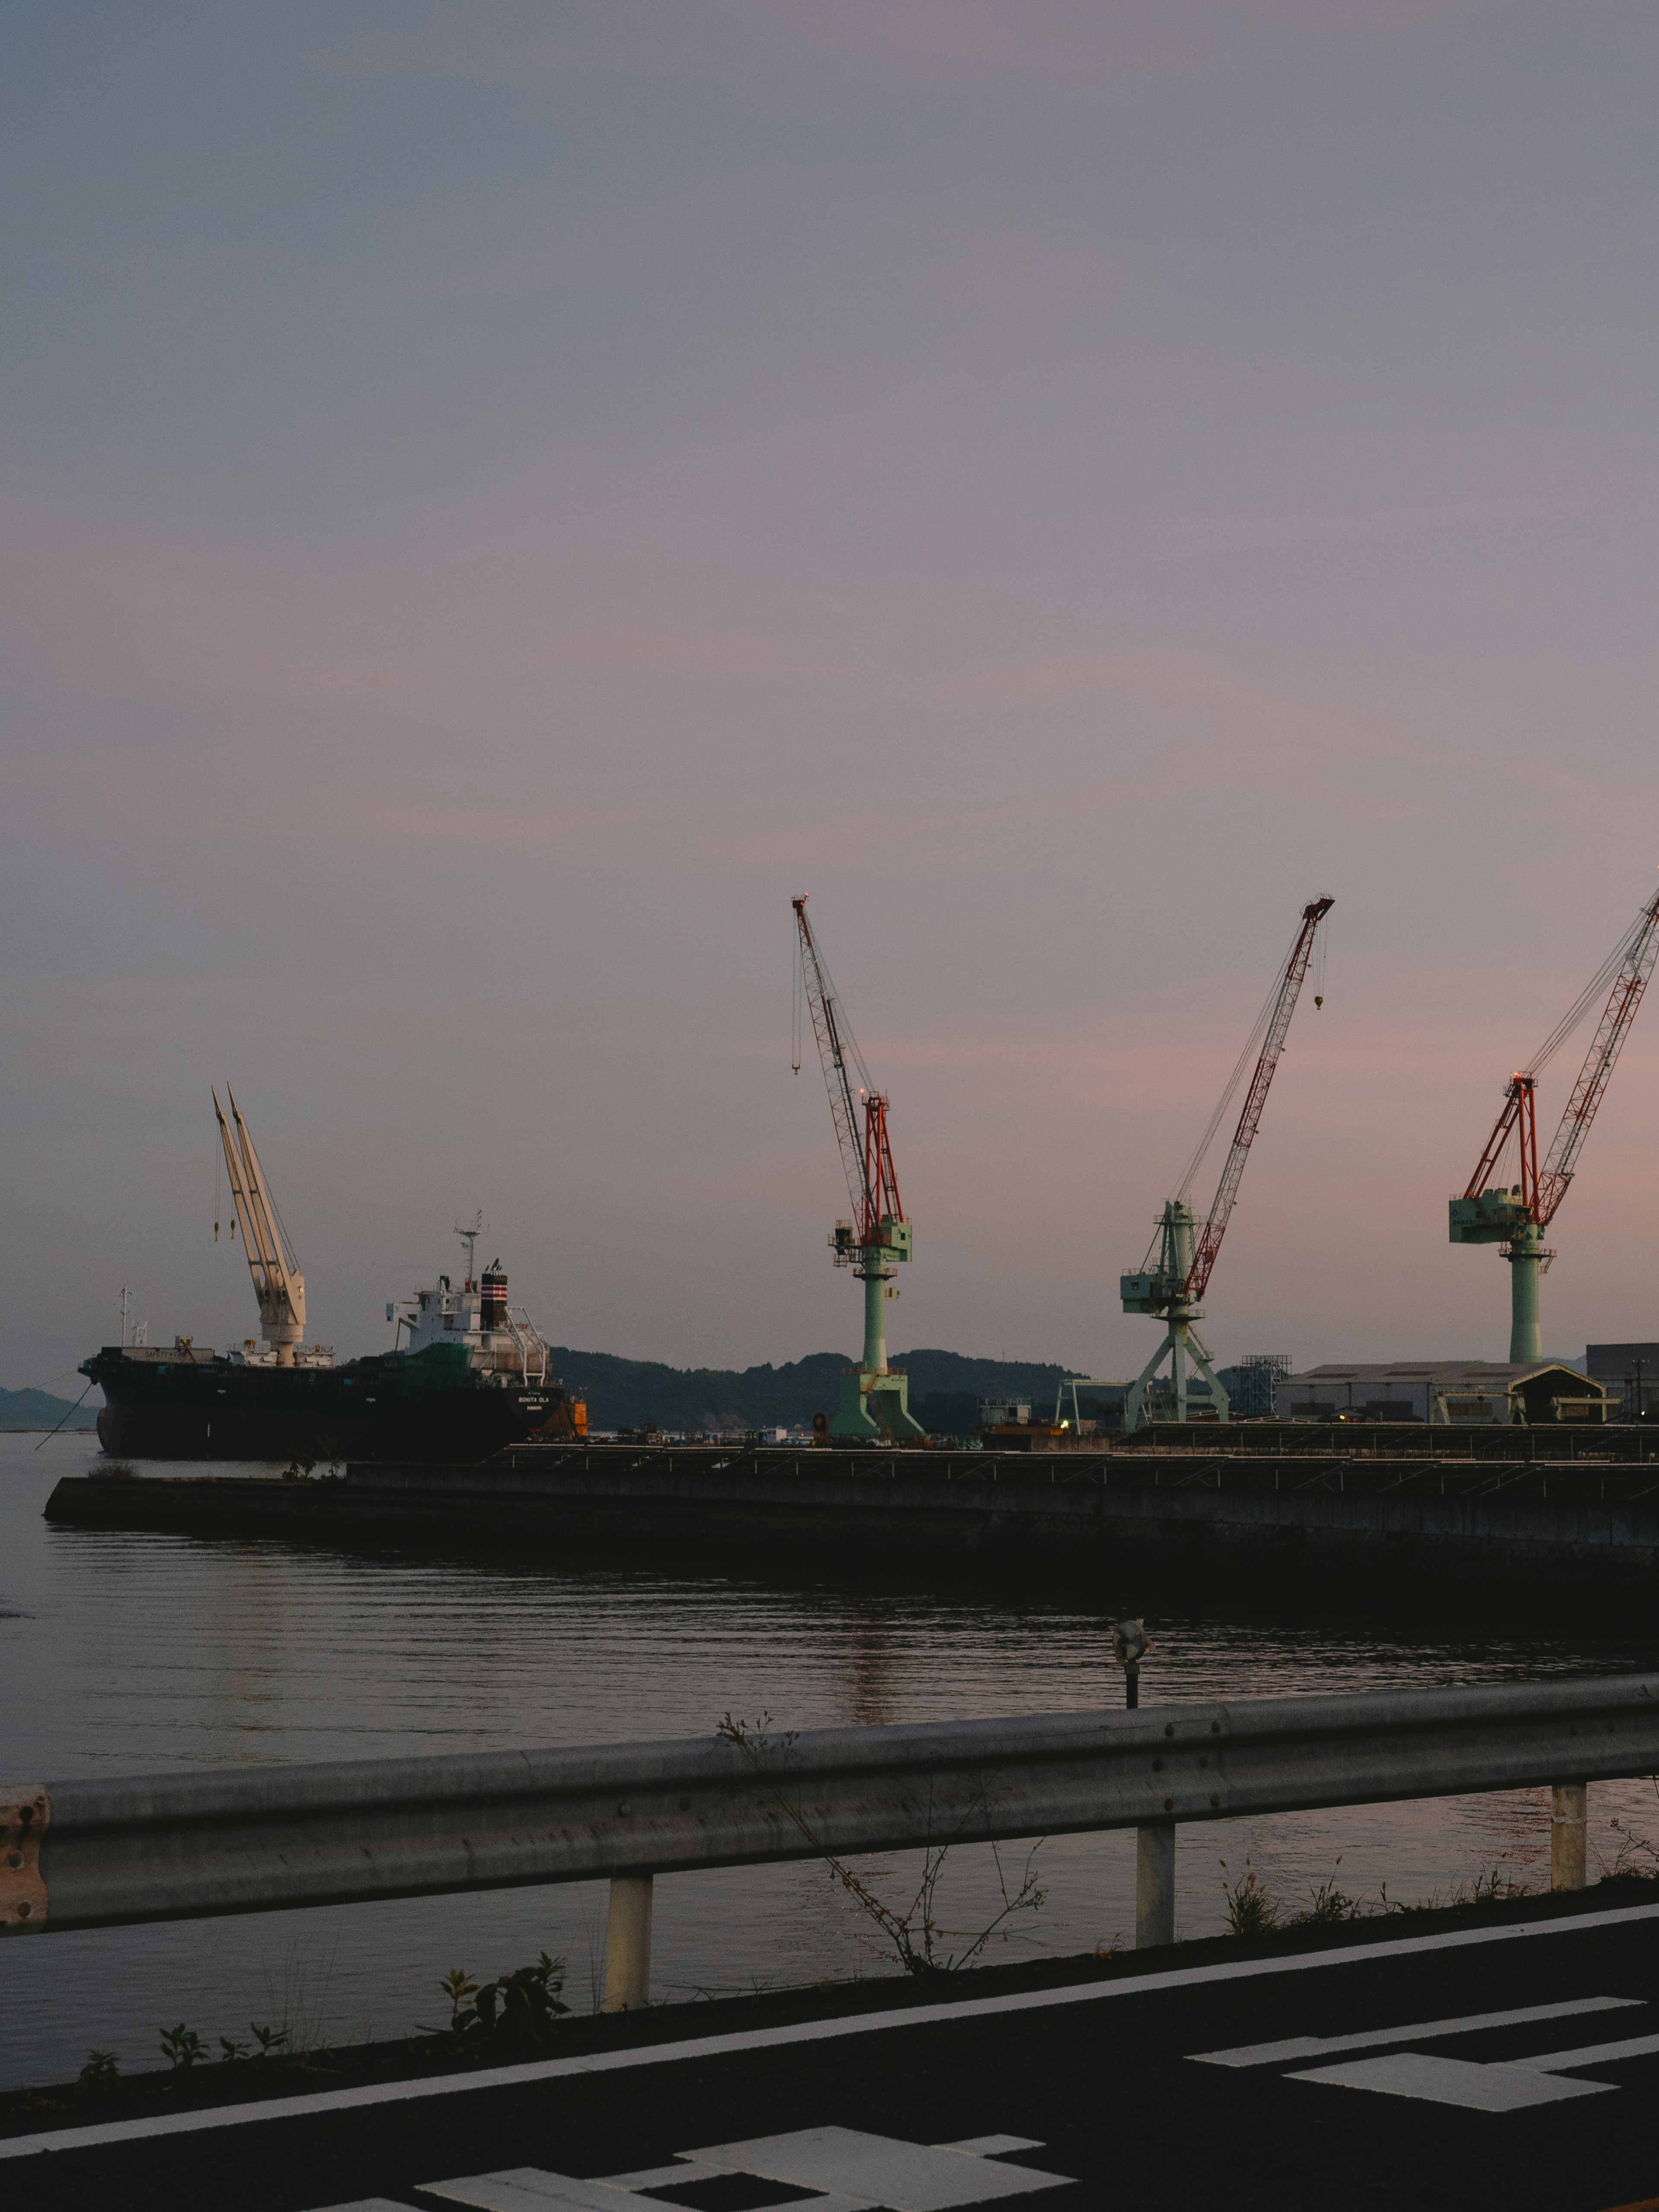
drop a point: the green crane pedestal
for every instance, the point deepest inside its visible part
(1163, 1293)
(1525, 1256)
(875, 1403)
(1500, 1217)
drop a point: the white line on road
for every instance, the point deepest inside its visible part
(815, 2030)
(1318, 2046)
(1592, 2054)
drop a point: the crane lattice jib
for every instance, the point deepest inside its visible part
(1617, 1016)
(1517, 1107)
(1249, 1120)
(880, 1182)
(820, 998)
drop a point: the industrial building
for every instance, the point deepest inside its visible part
(1526, 1391)
(1630, 1374)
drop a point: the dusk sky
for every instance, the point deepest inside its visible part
(498, 497)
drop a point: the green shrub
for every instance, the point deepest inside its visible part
(521, 2007)
(181, 2047)
(1250, 1910)
(98, 2075)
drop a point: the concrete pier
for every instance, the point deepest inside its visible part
(1556, 1519)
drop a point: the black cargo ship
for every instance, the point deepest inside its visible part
(471, 1377)
(176, 1402)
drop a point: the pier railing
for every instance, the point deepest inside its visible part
(95, 1853)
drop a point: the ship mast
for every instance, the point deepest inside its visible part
(277, 1283)
(469, 1236)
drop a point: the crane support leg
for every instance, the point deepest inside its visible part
(1526, 1336)
(876, 1407)
(1206, 1366)
(1180, 1342)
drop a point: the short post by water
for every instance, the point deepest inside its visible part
(1569, 1802)
(628, 1944)
(1130, 1645)
(1154, 1844)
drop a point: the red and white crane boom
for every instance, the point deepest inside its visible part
(867, 1162)
(1515, 1214)
(1250, 1120)
(1636, 964)
(1174, 1288)
(874, 1401)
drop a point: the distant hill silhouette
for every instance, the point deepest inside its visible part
(36, 1409)
(633, 1394)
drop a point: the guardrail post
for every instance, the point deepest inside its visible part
(628, 1944)
(1154, 1884)
(1568, 1804)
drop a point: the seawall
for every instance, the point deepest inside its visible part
(1551, 1524)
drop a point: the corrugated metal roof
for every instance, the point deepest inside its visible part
(1495, 1374)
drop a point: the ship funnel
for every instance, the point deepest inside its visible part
(492, 1312)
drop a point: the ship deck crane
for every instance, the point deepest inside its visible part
(1174, 1289)
(1514, 1215)
(874, 1401)
(277, 1283)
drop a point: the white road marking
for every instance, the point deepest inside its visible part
(991, 2145)
(815, 2030)
(367, 2204)
(880, 2169)
(1501, 2086)
(659, 2177)
(854, 2171)
(1317, 2046)
(1451, 2081)
(690, 2169)
(529, 2189)
(1594, 2054)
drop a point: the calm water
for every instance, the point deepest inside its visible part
(130, 1654)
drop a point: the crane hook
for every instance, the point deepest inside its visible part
(1318, 999)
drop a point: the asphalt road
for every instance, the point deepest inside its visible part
(1515, 2066)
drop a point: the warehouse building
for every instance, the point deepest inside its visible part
(1445, 1391)
(1631, 1375)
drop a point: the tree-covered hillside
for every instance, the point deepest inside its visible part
(632, 1394)
(37, 1409)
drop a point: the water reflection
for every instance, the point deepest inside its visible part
(871, 1684)
(127, 1653)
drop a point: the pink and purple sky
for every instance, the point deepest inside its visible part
(497, 497)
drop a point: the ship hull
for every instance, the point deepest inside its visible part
(395, 1407)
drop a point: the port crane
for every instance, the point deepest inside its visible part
(874, 1401)
(277, 1283)
(1174, 1289)
(1514, 1215)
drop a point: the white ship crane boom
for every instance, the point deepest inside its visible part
(278, 1285)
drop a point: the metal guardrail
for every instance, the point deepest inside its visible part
(87, 1854)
